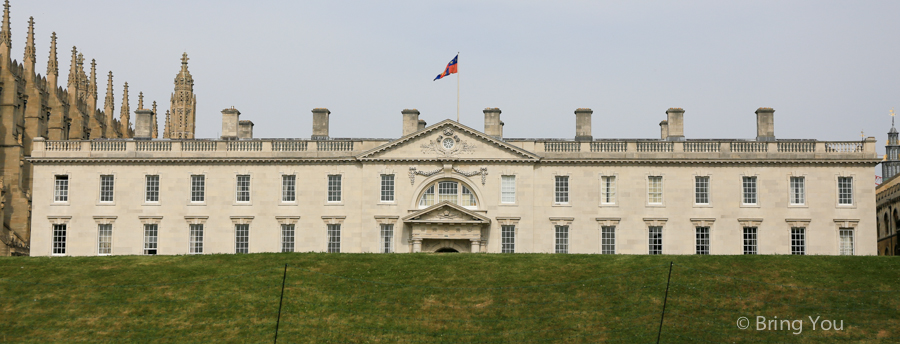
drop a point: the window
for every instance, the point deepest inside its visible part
(198, 188)
(107, 187)
(288, 188)
(608, 240)
(608, 190)
(655, 240)
(334, 238)
(334, 187)
(846, 235)
(562, 239)
(750, 234)
(241, 238)
(507, 239)
(387, 187)
(151, 193)
(61, 189)
(654, 190)
(196, 240)
(287, 238)
(448, 191)
(749, 184)
(798, 240)
(701, 190)
(387, 237)
(845, 190)
(798, 191)
(562, 189)
(508, 189)
(104, 239)
(702, 240)
(243, 188)
(151, 238)
(59, 239)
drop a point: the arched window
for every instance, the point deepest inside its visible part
(450, 191)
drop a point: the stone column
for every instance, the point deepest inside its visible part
(476, 245)
(417, 245)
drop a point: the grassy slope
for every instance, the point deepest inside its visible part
(444, 298)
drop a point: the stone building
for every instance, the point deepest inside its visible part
(887, 196)
(450, 187)
(34, 106)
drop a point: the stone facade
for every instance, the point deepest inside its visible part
(888, 197)
(449, 187)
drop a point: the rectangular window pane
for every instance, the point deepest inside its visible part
(749, 190)
(106, 188)
(845, 190)
(104, 239)
(562, 239)
(508, 239)
(701, 190)
(798, 190)
(243, 188)
(288, 188)
(334, 238)
(151, 193)
(608, 240)
(334, 187)
(508, 189)
(798, 240)
(241, 238)
(387, 187)
(846, 241)
(196, 240)
(654, 190)
(750, 234)
(702, 240)
(287, 238)
(562, 189)
(655, 239)
(387, 238)
(448, 191)
(198, 188)
(608, 190)
(59, 239)
(151, 237)
(61, 189)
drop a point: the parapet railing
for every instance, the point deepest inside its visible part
(193, 147)
(697, 148)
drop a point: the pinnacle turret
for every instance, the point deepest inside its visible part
(29, 44)
(73, 75)
(109, 104)
(124, 115)
(183, 107)
(52, 63)
(154, 123)
(140, 101)
(5, 32)
(92, 88)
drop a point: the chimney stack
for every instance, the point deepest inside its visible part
(142, 124)
(421, 124)
(410, 121)
(583, 124)
(765, 124)
(675, 124)
(320, 123)
(663, 130)
(230, 119)
(493, 126)
(245, 130)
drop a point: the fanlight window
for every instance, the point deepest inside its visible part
(449, 191)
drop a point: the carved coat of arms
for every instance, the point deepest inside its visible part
(448, 144)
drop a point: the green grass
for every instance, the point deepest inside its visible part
(452, 298)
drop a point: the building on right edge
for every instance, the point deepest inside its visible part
(887, 196)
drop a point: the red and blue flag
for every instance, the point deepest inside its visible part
(451, 68)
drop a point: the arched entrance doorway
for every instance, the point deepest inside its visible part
(446, 250)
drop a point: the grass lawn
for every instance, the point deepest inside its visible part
(452, 298)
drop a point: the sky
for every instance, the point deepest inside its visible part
(828, 68)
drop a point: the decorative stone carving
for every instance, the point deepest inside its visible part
(413, 172)
(483, 172)
(448, 145)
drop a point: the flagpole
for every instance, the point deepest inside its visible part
(457, 87)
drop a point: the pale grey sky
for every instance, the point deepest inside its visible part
(830, 69)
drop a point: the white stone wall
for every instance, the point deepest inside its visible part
(534, 205)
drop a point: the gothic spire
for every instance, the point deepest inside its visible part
(52, 63)
(109, 105)
(29, 42)
(93, 85)
(125, 113)
(5, 32)
(73, 75)
(155, 124)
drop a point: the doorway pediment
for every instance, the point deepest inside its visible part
(446, 213)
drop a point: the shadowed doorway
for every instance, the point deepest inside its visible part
(446, 250)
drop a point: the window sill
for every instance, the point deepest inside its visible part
(287, 204)
(798, 206)
(703, 206)
(334, 204)
(150, 204)
(845, 206)
(608, 205)
(750, 205)
(388, 204)
(655, 205)
(59, 204)
(196, 204)
(562, 205)
(106, 204)
(242, 204)
(508, 205)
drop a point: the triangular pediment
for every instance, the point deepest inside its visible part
(448, 140)
(446, 212)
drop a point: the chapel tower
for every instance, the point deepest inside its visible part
(891, 164)
(183, 108)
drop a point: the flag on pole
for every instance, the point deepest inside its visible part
(451, 68)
